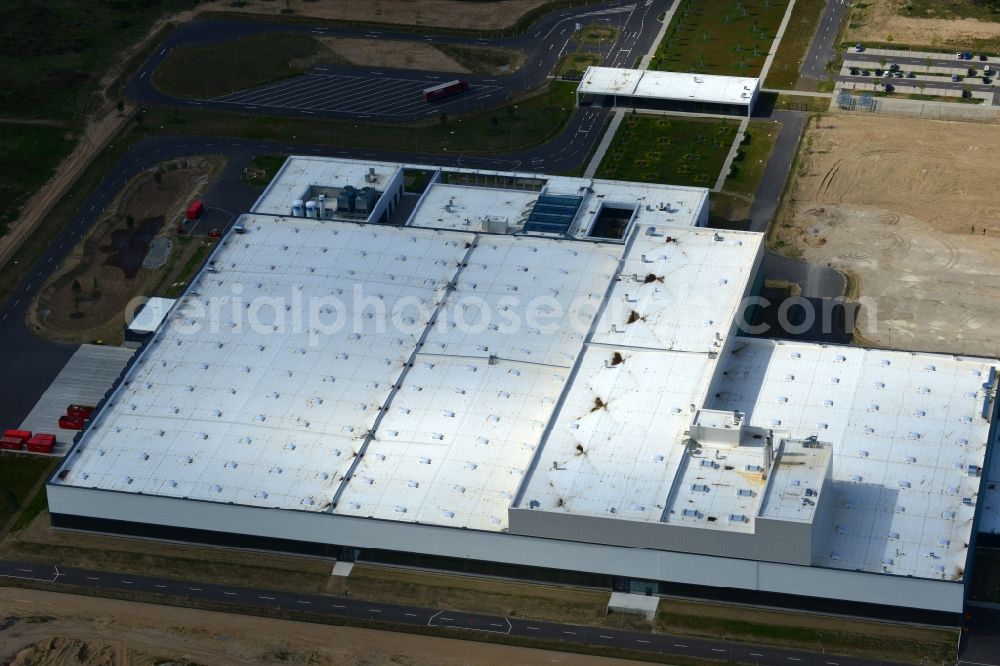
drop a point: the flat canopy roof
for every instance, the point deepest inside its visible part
(668, 85)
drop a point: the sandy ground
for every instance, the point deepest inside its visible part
(881, 21)
(52, 629)
(386, 53)
(893, 202)
(450, 13)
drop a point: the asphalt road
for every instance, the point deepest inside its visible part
(349, 607)
(822, 48)
(394, 95)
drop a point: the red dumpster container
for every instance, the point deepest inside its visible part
(11, 443)
(195, 210)
(23, 435)
(71, 423)
(82, 411)
(41, 444)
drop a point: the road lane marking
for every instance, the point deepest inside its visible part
(679, 645)
(641, 640)
(195, 589)
(161, 586)
(93, 578)
(757, 654)
(571, 633)
(268, 598)
(300, 601)
(232, 594)
(410, 614)
(533, 628)
(794, 659)
(608, 637)
(717, 650)
(374, 610)
(127, 582)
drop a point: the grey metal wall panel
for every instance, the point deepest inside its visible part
(509, 548)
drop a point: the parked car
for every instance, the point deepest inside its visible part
(855, 71)
(982, 57)
(954, 78)
(889, 87)
(865, 72)
(967, 94)
(987, 80)
(911, 75)
(858, 48)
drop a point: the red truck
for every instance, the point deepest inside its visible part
(195, 210)
(443, 90)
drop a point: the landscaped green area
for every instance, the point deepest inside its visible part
(596, 34)
(730, 37)
(784, 72)
(262, 169)
(28, 155)
(660, 149)
(18, 476)
(220, 69)
(751, 157)
(573, 65)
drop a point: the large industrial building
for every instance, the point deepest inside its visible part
(511, 372)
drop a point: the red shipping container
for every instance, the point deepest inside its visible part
(40, 445)
(44, 437)
(195, 210)
(83, 411)
(23, 435)
(71, 423)
(11, 443)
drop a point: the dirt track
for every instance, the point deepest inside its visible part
(912, 210)
(54, 629)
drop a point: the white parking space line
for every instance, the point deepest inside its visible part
(350, 94)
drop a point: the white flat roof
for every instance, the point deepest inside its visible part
(680, 289)
(464, 207)
(614, 448)
(905, 427)
(299, 173)
(244, 410)
(433, 406)
(151, 315)
(668, 85)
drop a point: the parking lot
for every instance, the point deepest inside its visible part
(967, 75)
(360, 96)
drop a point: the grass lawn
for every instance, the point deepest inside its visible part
(952, 9)
(829, 634)
(484, 59)
(573, 65)
(596, 34)
(18, 475)
(28, 156)
(528, 122)
(784, 72)
(53, 52)
(263, 168)
(210, 71)
(660, 149)
(729, 37)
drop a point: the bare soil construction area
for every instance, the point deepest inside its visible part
(50, 629)
(885, 21)
(909, 209)
(388, 53)
(455, 14)
(86, 298)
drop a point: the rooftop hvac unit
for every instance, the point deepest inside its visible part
(346, 199)
(298, 209)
